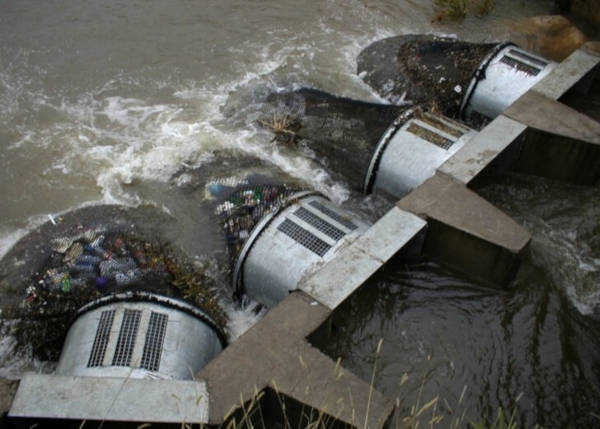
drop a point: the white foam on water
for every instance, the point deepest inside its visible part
(241, 319)
(13, 362)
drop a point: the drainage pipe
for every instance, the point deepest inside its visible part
(140, 335)
(502, 77)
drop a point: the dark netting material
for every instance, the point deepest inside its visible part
(243, 208)
(87, 265)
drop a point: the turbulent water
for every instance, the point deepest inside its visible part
(102, 102)
(532, 349)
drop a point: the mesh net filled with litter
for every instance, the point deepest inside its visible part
(88, 265)
(243, 209)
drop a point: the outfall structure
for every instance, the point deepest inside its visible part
(273, 362)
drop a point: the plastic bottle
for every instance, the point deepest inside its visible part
(65, 284)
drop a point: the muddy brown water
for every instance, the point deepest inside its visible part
(103, 102)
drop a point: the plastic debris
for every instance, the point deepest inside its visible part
(88, 265)
(245, 207)
(74, 252)
(65, 284)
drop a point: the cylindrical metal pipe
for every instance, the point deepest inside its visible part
(139, 335)
(353, 139)
(289, 243)
(502, 77)
(411, 150)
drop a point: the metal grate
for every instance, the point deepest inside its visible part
(519, 65)
(304, 237)
(445, 125)
(155, 336)
(127, 336)
(333, 215)
(430, 136)
(101, 339)
(529, 58)
(319, 223)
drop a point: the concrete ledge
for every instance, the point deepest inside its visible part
(467, 232)
(569, 72)
(544, 114)
(338, 279)
(110, 399)
(274, 354)
(560, 142)
(477, 154)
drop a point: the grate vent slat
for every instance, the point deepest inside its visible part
(101, 339)
(319, 223)
(127, 337)
(529, 58)
(430, 136)
(155, 336)
(304, 237)
(519, 65)
(333, 215)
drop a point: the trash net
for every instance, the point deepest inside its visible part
(243, 209)
(89, 264)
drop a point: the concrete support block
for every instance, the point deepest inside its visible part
(569, 72)
(466, 232)
(338, 279)
(290, 366)
(50, 396)
(482, 150)
(560, 142)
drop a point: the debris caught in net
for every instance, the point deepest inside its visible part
(85, 266)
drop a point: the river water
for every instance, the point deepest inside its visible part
(102, 102)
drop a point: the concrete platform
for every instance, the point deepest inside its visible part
(337, 280)
(110, 399)
(467, 232)
(559, 143)
(483, 150)
(275, 354)
(572, 71)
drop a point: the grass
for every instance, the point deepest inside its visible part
(502, 421)
(270, 408)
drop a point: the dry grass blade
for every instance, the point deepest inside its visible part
(283, 125)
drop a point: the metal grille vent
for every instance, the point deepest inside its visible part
(101, 339)
(523, 62)
(446, 125)
(155, 336)
(304, 237)
(333, 215)
(127, 336)
(430, 136)
(533, 60)
(319, 223)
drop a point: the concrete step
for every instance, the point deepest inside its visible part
(465, 231)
